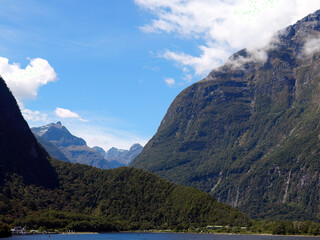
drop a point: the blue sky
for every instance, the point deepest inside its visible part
(108, 70)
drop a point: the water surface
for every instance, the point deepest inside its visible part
(157, 236)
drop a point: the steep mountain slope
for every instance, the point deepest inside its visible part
(120, 157)
(30, 160)
(73, 148)
(249, 132)
(58, 135)
(51, 149)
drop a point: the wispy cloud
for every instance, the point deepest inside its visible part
(170, 82)
(105, 132)
(66, 113)
(224, 26)
(106, 137)
(34, 116)
(311, 46)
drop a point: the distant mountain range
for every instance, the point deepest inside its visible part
(67, 147)
(64, 146)
(119, 157)
(249, 133)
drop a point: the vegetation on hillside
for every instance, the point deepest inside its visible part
(120, 199)
(249, 135)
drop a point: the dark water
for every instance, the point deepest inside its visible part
(156, 236)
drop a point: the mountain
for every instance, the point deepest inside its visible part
(52, 149)
(36, 191)
(133, 152)
(114, 153)
(100, 150)
(58, 135)
(249, 132)
(119, 157)
(67, 146)
(20, 153)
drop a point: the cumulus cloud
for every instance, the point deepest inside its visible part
(170, 82)
(224, 26)
(25, 82)
(66, 113)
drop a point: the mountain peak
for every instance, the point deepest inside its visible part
(58, 134)
(135, 146)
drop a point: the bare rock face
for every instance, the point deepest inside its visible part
(20, 152)
(249, 132)
(58, 135)
(70, 148)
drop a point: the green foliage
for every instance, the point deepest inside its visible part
(4, 230)
(91, 199)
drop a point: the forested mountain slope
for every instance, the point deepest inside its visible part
(249, 132)
(20, 152)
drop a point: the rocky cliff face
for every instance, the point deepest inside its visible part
(20, 152)
(58, 135)
(249, 132)
(71, 148)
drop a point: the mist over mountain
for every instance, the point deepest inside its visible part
(249, 132)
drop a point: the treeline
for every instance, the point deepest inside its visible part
(285, 227)
(4, 230)
(51, 221)
(95, 200)
(92, 199)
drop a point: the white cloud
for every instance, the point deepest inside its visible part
(311, 46)
(170, 82)
(66, 113)
(34, 116)
(25, 82)
(224, 26)
(210, 56)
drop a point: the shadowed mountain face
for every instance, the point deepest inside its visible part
(68, 147)
(249, 132)
(52, 149)
(20, 152)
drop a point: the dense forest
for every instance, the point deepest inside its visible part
(92, 199)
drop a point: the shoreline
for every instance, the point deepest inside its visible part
(168, 232)
(172, 232)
